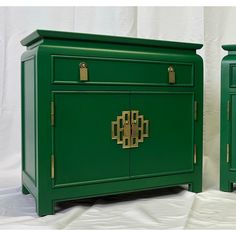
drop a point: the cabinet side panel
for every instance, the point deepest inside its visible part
(29, 117)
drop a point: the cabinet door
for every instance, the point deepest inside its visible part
(232, 152)
(170, 145)
(83, 148)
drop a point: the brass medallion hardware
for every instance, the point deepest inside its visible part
(228, 110)
(52, 114)
(227, 153)
(83, 68)
(171, 75)
(130, 129)
(52, 166)
(195, 154)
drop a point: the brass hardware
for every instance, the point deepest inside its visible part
(134, 129)
(195, 110)
(83, 68)
(126, 129)
(52, 114)
(195, 154)
(52, 166)
(121, 129)
(227, 151)
(130, 129)
(228, 110)
(171, 75)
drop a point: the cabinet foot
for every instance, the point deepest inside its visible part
(194, 187)
(24, 190)
(45, 207)
(226, 186)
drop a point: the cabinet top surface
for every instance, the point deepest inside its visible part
(229, 47)
(60, 35)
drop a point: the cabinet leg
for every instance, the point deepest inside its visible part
(24, 190)
(195, 187)
(45, 207)
(226, 186)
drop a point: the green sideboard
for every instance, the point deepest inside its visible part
(228, 122)
(105, 115)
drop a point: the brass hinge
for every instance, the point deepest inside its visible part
(52, 166)
(195, 154)
(195, 110)
(227, 153)
(52, 114)
(228, 110)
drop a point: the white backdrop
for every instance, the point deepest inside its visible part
(212, 26)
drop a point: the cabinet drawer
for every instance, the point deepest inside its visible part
(66, 70)
(233, 75)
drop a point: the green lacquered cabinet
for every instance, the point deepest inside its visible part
(104, 115)
(228, 120)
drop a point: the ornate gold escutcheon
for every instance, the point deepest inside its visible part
(130, 129)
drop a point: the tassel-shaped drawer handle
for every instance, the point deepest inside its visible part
(83, 68)
(171, 72)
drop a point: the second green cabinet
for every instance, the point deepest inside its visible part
(228, 120)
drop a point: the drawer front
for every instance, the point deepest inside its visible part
(66, 70)
(233, 75)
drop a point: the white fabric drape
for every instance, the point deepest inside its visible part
(211, 26)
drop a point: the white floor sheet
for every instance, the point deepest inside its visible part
(171, 208)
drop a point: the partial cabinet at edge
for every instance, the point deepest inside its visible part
(228, 120)
(232, 134)
(85, 150)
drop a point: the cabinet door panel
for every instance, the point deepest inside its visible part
(169, 147)
(232, 152)
(84, 150)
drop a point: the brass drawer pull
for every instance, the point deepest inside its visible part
(83, 68)
(171, 75)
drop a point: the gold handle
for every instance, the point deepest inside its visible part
(134, 129)
(83, 68)
(171, 75)
(126, 129)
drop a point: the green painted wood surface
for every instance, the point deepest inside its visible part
(124, 74)
(55, 35)
(171, 117)
(232, 134)
(28, 69)
(129, 71)
(84, 149)
(228, 114)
